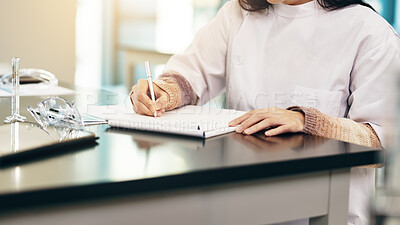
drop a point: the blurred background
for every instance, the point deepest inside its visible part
(103, 43)
(99, 43)
(128, 32)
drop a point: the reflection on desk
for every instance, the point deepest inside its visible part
(22, 142)
(139, 158)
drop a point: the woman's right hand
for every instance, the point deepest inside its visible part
(141, 100)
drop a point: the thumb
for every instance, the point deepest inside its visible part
(161, 102)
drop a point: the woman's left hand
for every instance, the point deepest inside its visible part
(278, 120)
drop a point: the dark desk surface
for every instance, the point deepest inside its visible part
(129, 162)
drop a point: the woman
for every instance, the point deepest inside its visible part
(296, 66)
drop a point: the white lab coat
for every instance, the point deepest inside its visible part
(334, 61)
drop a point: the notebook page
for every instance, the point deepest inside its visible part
(188, 120)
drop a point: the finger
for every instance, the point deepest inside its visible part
(142, 109)
(159, 112)
(132, 100)
(240, 119)
(264, 124)
(255, 118)
(161, 102)
(132, 95)
(135, 109)
(142, 86)
(161, 96)
(147, 102)
(278, 130)
(141, 95)
(158, 92)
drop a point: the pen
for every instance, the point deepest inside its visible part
(150, 80)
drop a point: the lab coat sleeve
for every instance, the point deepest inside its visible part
(371, 77)
(203, 63)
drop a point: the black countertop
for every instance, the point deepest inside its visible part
(130, 162)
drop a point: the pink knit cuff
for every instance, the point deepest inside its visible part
(173, 92)
(187, 95)
(310, 118)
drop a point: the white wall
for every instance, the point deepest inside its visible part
(41, 33)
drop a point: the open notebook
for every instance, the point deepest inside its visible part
(195, 121)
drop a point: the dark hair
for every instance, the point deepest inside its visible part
(259, 5)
